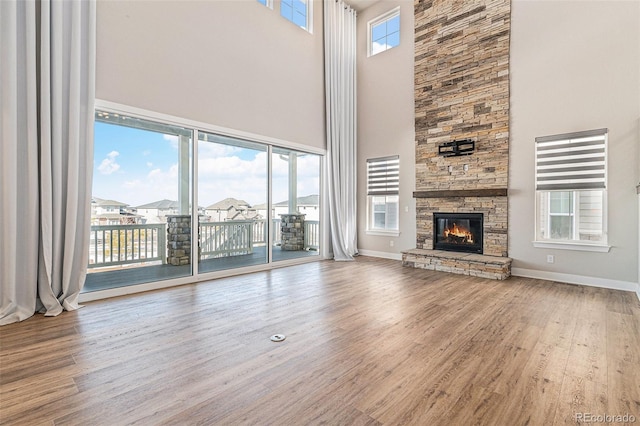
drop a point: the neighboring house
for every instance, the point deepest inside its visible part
(231, 209)
(307, 205)
(111, 212)
(158, 211)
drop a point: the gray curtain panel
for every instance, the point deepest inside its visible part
(47, 92)
(340, 88)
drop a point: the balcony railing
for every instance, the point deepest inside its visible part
(231, 238)
(112, 245)
(311, 235)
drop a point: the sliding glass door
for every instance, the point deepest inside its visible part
(233, 195)
(141, 202)
(296, 207)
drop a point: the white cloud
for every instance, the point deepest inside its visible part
(223, 171)
(157, 185)
(214, 150)
(109, 164)
(246, 179)
(379, 47)
(171, 138)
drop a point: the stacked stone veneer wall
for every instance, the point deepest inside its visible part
(462, 92)
(179, 240)
(292, 231)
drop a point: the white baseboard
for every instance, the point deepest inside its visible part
(577, 279)
(638, 291)
(381, 254)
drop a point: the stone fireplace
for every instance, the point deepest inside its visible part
(462, 96)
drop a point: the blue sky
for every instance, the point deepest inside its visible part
(139, 166)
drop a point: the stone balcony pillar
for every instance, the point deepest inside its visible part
(178, 240)
(292, 231)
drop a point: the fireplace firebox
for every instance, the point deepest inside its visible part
(458, 232)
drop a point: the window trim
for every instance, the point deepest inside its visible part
(571, 245)
(381, 18)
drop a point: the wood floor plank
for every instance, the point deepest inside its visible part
(579, 396)
(368, 342)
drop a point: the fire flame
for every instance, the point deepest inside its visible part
(460, 232)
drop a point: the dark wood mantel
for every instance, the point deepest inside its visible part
(489, 192)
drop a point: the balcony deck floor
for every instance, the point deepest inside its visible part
(132, 275)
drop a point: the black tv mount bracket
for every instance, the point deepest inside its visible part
(457, 148)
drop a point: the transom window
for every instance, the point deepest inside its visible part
(384, 32)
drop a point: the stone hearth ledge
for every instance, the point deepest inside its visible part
(476, 265)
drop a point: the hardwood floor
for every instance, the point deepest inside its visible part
(368, 342)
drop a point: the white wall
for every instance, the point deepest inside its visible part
(235, 64)
(575, 65)
(386, 124)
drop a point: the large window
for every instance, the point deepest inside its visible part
(297, 11)
(255, 202)
(571, 188)
(382, 195)
(384, 32)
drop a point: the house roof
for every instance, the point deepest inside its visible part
(115, 216)
(102, 202)
(307, 200)
(162, 204)
(227, 203)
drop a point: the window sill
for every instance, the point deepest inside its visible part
(382, 233)
(566, 245)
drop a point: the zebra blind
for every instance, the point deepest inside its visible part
(383, 176)
(572, 161)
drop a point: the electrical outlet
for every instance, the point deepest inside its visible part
(406, 209)
(391, 243)
(551, 258)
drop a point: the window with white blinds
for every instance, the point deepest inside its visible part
(574, 161)
(571, 183)
(383, 187)
(383, 176)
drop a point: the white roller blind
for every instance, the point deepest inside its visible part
(383, 176)
(572, 161)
